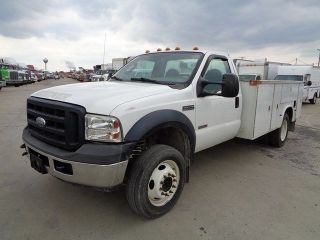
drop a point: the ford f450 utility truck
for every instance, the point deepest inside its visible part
(142, 128)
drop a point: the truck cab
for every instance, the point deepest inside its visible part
(142, 128)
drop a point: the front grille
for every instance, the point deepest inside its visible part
(13, 75)
(64, 123)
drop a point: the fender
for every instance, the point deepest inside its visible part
(286, 108)
(161, 119)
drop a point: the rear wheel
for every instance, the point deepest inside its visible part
(314, 99)
(156, 181)
(278, 137)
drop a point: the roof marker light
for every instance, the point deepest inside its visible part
(168, 49)
(177, 48)
(147, 51)
(195, 48)
(159, 50)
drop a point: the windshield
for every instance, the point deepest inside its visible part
(163, 68)
(289, 77)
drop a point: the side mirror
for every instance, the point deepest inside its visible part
(309, 83)
(229, 86)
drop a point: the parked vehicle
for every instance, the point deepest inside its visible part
(266, 69)
(142, 132)
(248, 77)
(2, 81)
(56, 76)
(309, 75)
(4, 75)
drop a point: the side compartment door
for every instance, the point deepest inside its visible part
(217, 117)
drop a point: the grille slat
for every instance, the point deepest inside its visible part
(47, 116)
(64, 123)
(48, 129)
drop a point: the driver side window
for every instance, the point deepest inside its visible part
(214, 72)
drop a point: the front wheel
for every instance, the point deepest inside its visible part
(156, 181)
(314, 99)
(278, 137)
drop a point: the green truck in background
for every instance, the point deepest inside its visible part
(4, 76)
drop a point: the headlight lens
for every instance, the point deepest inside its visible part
(102, 128)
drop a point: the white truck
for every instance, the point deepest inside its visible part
(143, 132)
(259, 69)
(309, 75)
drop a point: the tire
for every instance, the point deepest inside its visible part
(151, 179)
(314, 99)
(278, 137)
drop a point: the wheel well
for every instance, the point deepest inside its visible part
(289, 111)
(174, 137)
(171, 136)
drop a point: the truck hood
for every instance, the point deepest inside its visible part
(102, 97)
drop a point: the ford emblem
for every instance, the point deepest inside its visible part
(40, 122)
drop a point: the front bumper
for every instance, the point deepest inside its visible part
(96, 165)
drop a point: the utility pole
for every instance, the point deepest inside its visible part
(319, 58)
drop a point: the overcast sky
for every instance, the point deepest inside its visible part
(74, 30)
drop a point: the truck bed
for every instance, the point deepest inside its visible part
(264, 103)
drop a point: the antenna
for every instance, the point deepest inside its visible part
(104, 47)
(319, 57)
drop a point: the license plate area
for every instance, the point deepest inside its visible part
(38, 161)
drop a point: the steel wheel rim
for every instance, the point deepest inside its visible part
(163, 183)
(284, 130)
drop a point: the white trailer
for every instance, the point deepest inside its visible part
(266, 70)
(118, 63)
(309, 75)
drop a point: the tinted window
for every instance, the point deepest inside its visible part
(214, 72)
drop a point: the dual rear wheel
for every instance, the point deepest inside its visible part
(278, 137)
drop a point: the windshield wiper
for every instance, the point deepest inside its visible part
(151, 81)
(116, 78)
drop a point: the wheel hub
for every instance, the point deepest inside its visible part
(163, 183)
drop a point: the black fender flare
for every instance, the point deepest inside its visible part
(160, 119)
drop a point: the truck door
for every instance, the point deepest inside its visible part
(217, 117)
(306, 88)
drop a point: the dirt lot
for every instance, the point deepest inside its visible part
(238, 190)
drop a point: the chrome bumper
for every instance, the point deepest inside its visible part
(95, 175)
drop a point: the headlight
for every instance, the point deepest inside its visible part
(102, 128)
